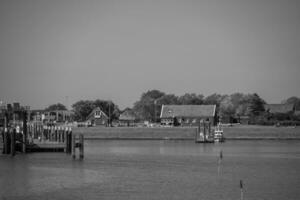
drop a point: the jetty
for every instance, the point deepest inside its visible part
(25, 136)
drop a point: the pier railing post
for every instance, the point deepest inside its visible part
(24, 143)
(65, 133)
(81, 146)
(13, 142)
(6, 141)
(70, 136)
(73, 146)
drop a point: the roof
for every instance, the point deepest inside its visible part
(188, 111)
(279, 108)
(127, 115)
(93, 112)
(297, 112)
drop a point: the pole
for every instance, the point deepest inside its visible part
(220, 160)
(241, 188)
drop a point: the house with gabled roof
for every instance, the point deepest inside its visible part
(187, 115)
(97, 117)
(127, 118)
(280, 108)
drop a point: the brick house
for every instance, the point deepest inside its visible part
(187, 115)
(97, 118)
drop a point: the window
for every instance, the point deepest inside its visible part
(97, 113)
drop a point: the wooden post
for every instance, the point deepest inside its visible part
(209, 129)
(55, 134)
(5, 135)
(5, 141)
(13, 142)
(59, 134)
(24, 143)
(81, 146)
(73, 147)
(70, 139)
(241, 189)
(65, 133)
(204, 131)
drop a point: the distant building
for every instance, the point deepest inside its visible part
(187, 115)
(127, 118)
(54, 116)
(280, 108)
(97, 118)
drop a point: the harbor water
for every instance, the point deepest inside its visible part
(157, 169)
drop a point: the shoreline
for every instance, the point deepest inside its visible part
(241, 132)
(191, 139)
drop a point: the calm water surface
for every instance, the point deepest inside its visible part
(157, 170)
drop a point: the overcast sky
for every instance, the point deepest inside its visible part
(50, 50)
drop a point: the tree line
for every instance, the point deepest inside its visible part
(149, 105)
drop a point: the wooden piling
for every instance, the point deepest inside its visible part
(81, 146)
(73, 146)
(70, 139)
(5, 142)
(65, 133)
(13, 142)
(24, 143)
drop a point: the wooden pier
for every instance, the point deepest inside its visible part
(204, 133)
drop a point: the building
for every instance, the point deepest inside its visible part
(97, 118)
(187, 115)
(53, 116)
(127, 118)
(280, 108)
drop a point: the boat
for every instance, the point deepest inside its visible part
(219, 134)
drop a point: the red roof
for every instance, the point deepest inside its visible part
(188, 111)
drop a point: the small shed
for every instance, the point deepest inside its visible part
(127, 118)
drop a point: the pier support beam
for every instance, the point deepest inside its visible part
(81, 146)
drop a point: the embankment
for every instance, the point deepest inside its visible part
(188, 133)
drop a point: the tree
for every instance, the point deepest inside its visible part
(84, 107)
(57, 106)
(227, 108)
(256, 106)
(145, 107)
(293, 100)
(213, 99)
(191, 99)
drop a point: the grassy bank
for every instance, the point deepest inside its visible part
(234, 132)
(261, 132)
(136, 133)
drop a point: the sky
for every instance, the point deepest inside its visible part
(69, 50)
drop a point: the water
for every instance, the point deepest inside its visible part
(157, 170)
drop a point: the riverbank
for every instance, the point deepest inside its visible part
(238, 132)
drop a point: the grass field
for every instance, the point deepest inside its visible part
(234, 132)
(264, 132)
